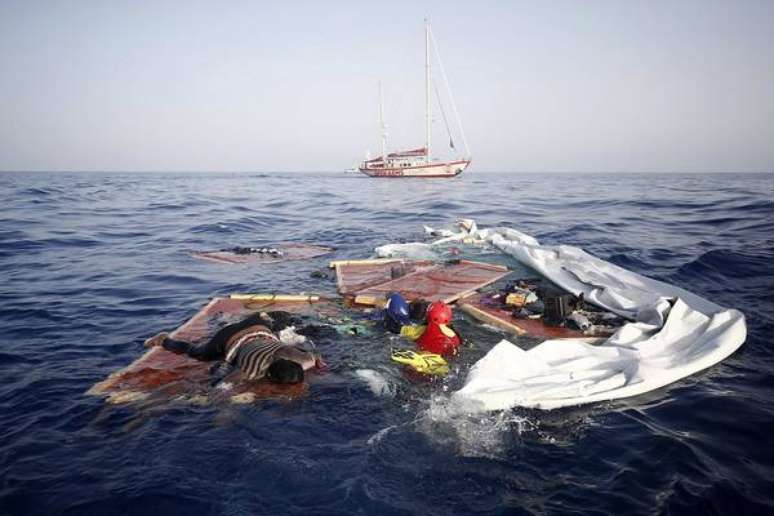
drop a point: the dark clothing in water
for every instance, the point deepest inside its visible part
(215, 348)
(252, 353)
(254, 250)
(254, 356)
(316, 331)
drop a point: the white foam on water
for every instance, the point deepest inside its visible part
(414, 251)
(448, 422)
(378, 436)
(377, 382)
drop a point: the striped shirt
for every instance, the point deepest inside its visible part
(253, 353)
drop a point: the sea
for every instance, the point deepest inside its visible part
(92, 264)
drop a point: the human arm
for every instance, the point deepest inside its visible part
(220, 371)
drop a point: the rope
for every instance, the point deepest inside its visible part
(443, 114)
(451, 97)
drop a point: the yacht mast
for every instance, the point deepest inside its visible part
(427, 88)
(381, 124)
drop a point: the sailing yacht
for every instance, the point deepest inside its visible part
(418, 162)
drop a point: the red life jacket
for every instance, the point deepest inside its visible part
(436, 340)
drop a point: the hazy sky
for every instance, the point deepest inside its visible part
(540, 86)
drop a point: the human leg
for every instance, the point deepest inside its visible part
(212, 349)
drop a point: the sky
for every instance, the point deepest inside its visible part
(540, 86)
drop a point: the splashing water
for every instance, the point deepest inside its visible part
(449, 423)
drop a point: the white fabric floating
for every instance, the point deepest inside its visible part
(673, 334)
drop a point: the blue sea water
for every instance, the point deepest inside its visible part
(92, 264)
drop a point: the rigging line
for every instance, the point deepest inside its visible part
(451, 97)
(443, 114)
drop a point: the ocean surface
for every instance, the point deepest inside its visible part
(92, 264)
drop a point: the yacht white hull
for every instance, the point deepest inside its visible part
(445, 169)
(417, 162)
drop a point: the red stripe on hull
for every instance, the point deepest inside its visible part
(399, 172)
(395, 176)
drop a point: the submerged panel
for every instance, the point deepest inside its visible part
(476, 306)
(355, 276)
(285, 252)
(443, 282)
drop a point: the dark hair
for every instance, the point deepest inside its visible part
(285, 371)
(318, 331)
(391, 324)
(418, 310)
(279, 320)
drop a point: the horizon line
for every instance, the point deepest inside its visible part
(517, 172)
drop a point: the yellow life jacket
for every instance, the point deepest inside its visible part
(422, 362)
(412, 331)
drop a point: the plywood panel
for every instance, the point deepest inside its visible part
(353, 277)
(291, 251)
(501, 318)
(164, 374)
(446, 282)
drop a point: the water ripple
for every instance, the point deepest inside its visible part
(94, 263)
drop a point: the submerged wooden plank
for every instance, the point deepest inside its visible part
(491, 319)
(164, 374)
(354, 276)
(373, 261)
(445, 282)
(291, 251)
(308, 298)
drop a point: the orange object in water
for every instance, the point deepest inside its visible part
(439, 339)
(516, 299)
(439, 313)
